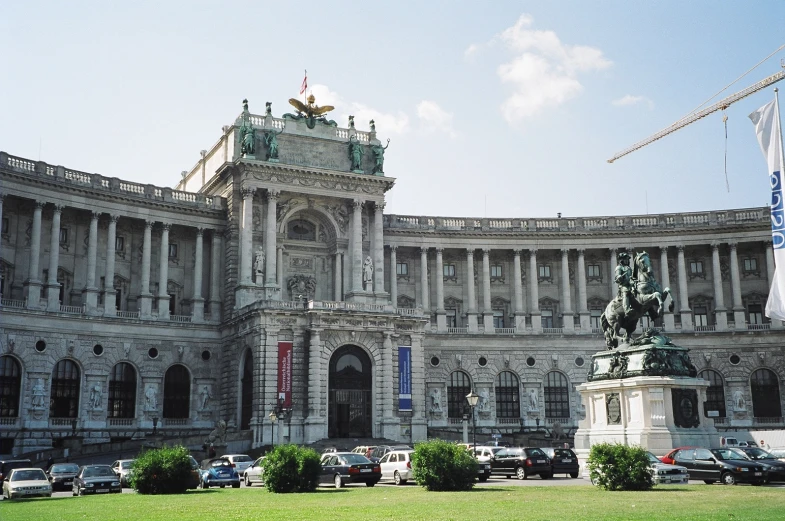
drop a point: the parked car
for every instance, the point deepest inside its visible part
(563, 461)
(723, 465)
(122, 469)
(397, 466)
(6, 466)
(365, 450)
(776, 468)
(195, 477)
(485, 454)
(61, 475)
(218, 472)
(668, 458)
(26, 482)
(341, 468)
(240, 462)
(666, 474)
(255, 472)
(381, 450)
(521, 462)
(95, 479)
(778, 453)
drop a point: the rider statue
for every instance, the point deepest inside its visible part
(624, 279)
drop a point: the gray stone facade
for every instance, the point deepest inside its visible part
(123, 302)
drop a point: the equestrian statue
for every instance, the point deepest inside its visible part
(639, 295)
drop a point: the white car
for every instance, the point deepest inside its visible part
(240, 462)
(255, 472)
(485, 454)
(665, 474)
(26, 482)
(122, 469)
(397, 466)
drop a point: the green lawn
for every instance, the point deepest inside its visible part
(491, 503)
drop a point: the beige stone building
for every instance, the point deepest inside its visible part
(270, 279)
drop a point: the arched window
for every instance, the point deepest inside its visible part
(122, 391)
(460, 386)
(177, 392)
(715, 394)
(765, 394)
(507, 396)
(557, 396)
(301, 230)
(10, 385)
(64, 400)
(246, 392)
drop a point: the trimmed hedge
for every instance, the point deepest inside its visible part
(440, 465)
(290, 468)
(162, 471)
(620, 467)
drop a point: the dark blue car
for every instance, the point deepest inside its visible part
(218, 472)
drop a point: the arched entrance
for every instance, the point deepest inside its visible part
(350, 394)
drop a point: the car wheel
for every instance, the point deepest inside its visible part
(338, 481)
(709, 481)
(205, 484)
(728, 479)
(520, 473)
(80, 492)
(370, 483)
(573, 475)
(397, 478)
(247, 481)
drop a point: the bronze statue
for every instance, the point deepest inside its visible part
(356, 153)
(271, 140)
(247, 133)
(311, 111)
(378, 152)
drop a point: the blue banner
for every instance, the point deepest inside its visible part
(404, 378)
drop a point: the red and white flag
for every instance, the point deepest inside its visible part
(305, 83)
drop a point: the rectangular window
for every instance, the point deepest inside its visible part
(593, 271)
(544, 271)
(594, 318)
(756, 314)
(547, 318)
(496, 271)
(452, 318)
(172, 251)
(5, 226)
(696, 267)
(63, 235)
(402, 268)
(701, 316)
(498, 318)
(171, 303)
(119, 243)
(449, 270)
(750, 265)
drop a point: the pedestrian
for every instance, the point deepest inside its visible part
(50, 461)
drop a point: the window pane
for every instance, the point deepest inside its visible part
(460, 386)
(765, 394)
(557, 399)
(122, 391)
(715, 394)
(64, 397)
(177, 392)
(10, 387)
(507, 396)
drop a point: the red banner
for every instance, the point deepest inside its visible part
(285, 374)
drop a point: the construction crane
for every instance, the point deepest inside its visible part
(695, 116)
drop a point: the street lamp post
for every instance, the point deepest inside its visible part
(155, 425)
(273, 419)
(473, 398)
(73, 428)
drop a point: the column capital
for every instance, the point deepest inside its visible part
(581, 252)
(199, 232)
(439, 251)
(58, 208)
(565, 252)
(165, 227)
(664, 248)
(733, 245)
(516, 252)
(533, 252)
(680, 248)
(423, 251)
(272, 195)
(39, 205)
(379, 207)
(357, 205)
(470, 252)
(113, 218)
(94, 216)
(393, 248)
(715, 246)
(486, 252)
(247, 192)
(149, 224)
(768, 243)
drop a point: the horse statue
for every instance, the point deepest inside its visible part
(646, 298)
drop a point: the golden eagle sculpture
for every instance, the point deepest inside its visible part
(310, 110)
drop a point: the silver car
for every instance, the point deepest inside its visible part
(122, 469)
(665, 474)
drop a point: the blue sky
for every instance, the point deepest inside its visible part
(509, 109)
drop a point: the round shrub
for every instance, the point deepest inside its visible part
(289, 468)
(620, 467)
(443, 466)
(162, 471)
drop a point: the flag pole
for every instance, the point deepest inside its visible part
(305, 91)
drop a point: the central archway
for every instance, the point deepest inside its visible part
(350, 394)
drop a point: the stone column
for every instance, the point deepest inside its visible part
(583, 306)
(337, 271)
(613, 262)
(280, 266)
(387, 377)
(378, 244)
(665, 282)
(567, 321)
(394, 276)
(52, 287)
(419, 421)
(769, 262)
(33, 282)
(487, 309)
(357, 247)
(684, 302)
(246, 238)
(91, 290)
(163, 274)
(738, 306)
(316, 427)
(197, 302)
(720, 312)
(110, 308)
(145, 304)
(215, 277)
(518, 311)
(270, 247)
(441, 313)
(471, 306)
(534, 292)
(424, 293)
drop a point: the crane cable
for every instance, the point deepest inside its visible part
(725, 121)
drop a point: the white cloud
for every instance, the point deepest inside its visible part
(544, 72)
(386, 123)
(630, 100)
(434, 118)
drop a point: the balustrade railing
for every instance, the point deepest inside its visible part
(11, 303)
(128, 314)
(552, 330)
(74, 310)
(180, 318)
(458, 330)
(121, 422)
(758, 327)
(8, 421)
(767, 420)
(705, 329)
(504, 330)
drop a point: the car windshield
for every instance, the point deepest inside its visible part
(126, 465)
(535, 452)
(28, 475)
(777, 453)
(241, 459)
(95, 472)
(653, 458)
(65, 467)
(351, 459)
